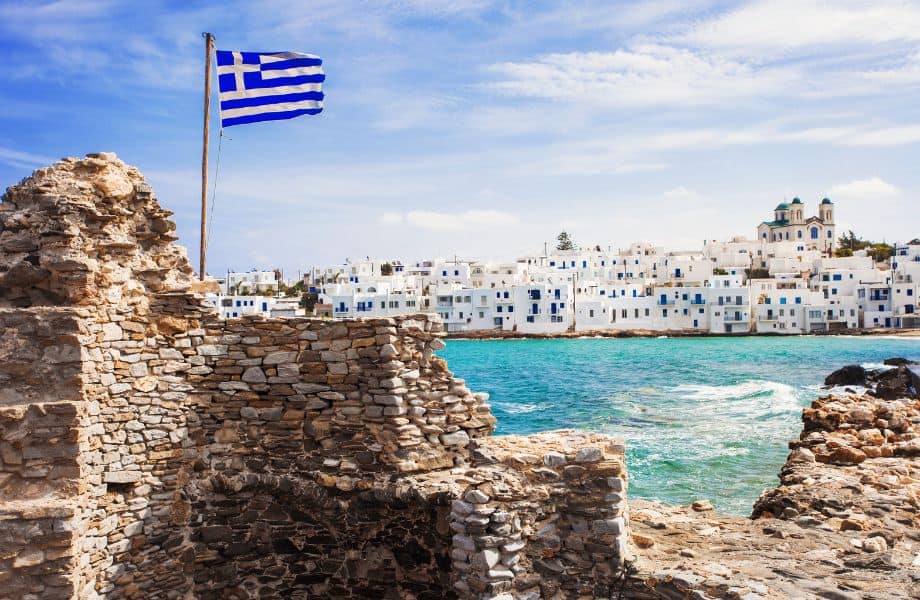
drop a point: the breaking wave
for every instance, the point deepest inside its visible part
(874, 366)
(747, 390)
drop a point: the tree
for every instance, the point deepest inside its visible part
(719, 271)
(850, 241)
(294, 290)
(564, 241)
(386, 269)
(308, 301)
(880, 252)
(757, 273)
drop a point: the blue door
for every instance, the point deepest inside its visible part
(552, 308)
(535, 309)
(695, 323)
(664, 298)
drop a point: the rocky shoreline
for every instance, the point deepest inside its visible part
(844, 523)
(491, 334)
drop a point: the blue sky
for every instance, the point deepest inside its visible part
(482, 128)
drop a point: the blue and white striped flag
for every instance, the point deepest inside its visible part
(257, 86)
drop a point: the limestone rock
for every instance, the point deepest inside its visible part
(93, 233)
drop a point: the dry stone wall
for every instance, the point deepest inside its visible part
(149, 450)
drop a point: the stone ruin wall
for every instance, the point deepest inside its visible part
(149, 450)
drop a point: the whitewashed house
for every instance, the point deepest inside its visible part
(250, 282)
(905, 285)
(729, 305)
(229, 307)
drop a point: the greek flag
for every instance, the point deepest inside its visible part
(257, 86)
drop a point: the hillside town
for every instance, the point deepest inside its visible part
(793, 278)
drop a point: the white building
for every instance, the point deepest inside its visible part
(229, 307)
(905, 285)
(789, 224)
(250, 282)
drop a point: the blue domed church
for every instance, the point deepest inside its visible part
(790, 225)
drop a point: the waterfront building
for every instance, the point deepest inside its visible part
(729, 305)
(874, 300)
(376, 297)
(780, 305)
(905, 284)
(547, 306)
(252, 282)
(232, 306)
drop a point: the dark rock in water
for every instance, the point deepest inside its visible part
(914, 372)
(894, 384)
(897, 361)
(848, 375)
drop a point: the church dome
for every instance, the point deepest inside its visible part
(796, 200)
(782, 206)
(826, 201)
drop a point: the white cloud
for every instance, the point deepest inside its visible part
(643, 75)
(865, 190)
(23, 160)
(906, 73)
(889, 136)
(765, 28)
(439, 8)
(391, 218)
(590, 163)
(470, 220)
(681, 194)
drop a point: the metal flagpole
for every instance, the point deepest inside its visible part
(208, 46)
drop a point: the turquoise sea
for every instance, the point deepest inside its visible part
(701, 417)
